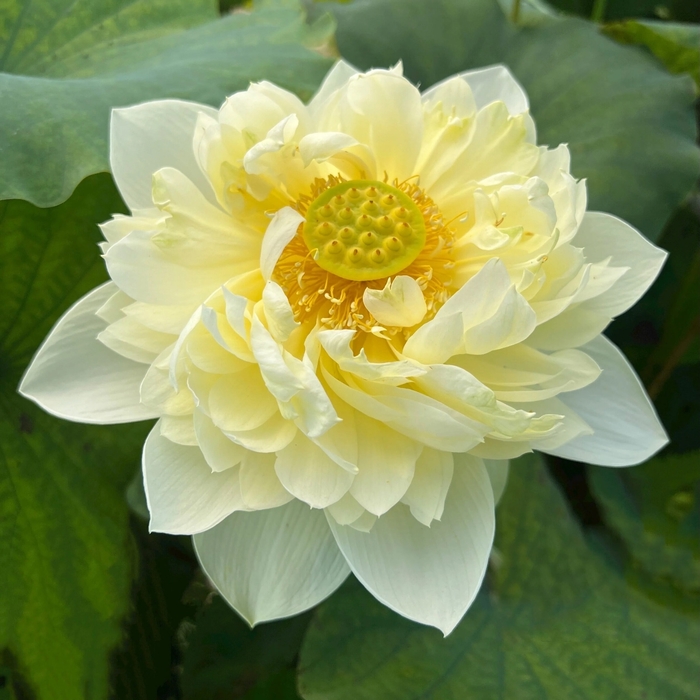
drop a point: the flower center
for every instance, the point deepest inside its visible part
(364, 230)
(327, 288)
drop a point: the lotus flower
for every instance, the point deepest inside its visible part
(347, 317)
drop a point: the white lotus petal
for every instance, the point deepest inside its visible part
(184, 496)
(430, 484)
(430, 575)
(386, 462)
(336, 78)
(280, 232)
(490, 85)
(626, 429)
(219, 452)
(498, 474)
(605, 236)
(400, 303)
(321, 146)
(272, 563)
(310, 474)
(260, 485)
(74, 376)
(150, 136)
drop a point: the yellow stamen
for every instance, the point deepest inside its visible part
(308, 268)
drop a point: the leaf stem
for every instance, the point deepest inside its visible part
(515, 14)
(598, 13)
(673, 359)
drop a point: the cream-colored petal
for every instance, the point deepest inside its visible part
(605, 236)
(280, 232)
(386, 463)
(428, 574)
(184, 496)
(178, 429)
(431, 482)
(626, 429)
(220, 452)
(272, 563)
(260, 485)
(147, 137)
(241, 401)
(401, 303)
(74, 376)
(310, 475)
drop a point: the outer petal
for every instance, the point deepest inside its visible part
(602, 236)
(498, 474)
(184, 496)
(626, 428)
(272, 563)
(74, 376)
(489, 85)
(151, 136)
(430, 575)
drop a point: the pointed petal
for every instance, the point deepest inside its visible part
(602, 236)
(150, 136)
(310, 474)
(74, 376)
(272, 563)
(498, 474)
(281, 230)
(430, 575)
(260, 486)
(431, 482)
(184, 495)
(626, 429)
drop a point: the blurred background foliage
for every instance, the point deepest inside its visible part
(594, 591)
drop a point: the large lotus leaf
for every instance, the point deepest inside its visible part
(675, 44)
(655, 509)
(225, 659)
(552, 621)
(66, 559)
(68, 63)
(629, 124)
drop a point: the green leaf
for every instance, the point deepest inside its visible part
(655, 509)
(630, 126)
(224, 659)
(69, 63)
(65, 553)
(676, 45)
(553, 621)
(147, 664)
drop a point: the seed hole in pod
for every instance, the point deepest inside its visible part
(334, 248)
(364, 221)
(325, 229)
(378, 256)
(369, 239)
(355, 255)
(347, 233)
(393, 244)
(404, 230)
